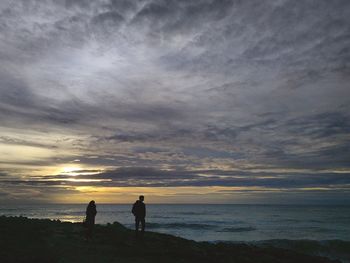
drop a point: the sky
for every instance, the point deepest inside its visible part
(209, 101)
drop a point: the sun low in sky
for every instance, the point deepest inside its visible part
(204, 101)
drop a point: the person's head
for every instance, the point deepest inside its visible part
(141, 198)
(92, 202)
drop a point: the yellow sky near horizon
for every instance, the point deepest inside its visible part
(56, 175)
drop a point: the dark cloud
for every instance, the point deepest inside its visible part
(322, 125)
(16, 141)
(148, 149)
(151, 177)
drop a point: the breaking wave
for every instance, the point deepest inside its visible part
(197, 226)
(193, 226)
(237, 229)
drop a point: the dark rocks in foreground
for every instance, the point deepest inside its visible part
(33, 240)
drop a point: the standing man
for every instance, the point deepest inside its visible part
(139, 211)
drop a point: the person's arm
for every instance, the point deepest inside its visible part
(133, 209)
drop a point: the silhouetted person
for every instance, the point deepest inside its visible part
(139, 211)
(90, 218)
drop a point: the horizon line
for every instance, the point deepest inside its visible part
(252, 204)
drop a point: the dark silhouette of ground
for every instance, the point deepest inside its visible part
(33, 240)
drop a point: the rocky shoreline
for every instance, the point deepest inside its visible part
(24, 240)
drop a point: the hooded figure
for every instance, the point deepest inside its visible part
(90, 218)
(139, 211)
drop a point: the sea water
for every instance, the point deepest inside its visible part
(212, 222)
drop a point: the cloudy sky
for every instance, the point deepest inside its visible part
(209, 101)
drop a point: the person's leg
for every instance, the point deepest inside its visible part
(143, 223)
(137, 223)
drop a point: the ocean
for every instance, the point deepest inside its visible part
(322, 230)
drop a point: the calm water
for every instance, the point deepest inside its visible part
(214, 222)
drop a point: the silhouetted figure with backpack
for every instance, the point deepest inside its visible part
(139, 211)
(90, 219)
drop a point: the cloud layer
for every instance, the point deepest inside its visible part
(176, 87)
